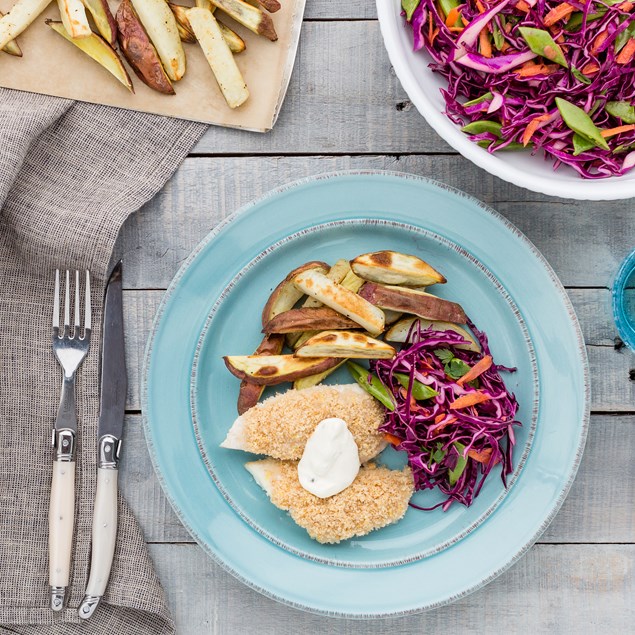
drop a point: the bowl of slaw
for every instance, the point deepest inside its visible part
(531, 169)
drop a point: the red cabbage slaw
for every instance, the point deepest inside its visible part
(452, 449)
(558, 77)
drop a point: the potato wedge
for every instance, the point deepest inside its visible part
(249, 394)
(103, 18)
(160, 25)
(314, 380)
(74, 18)
(286, 294)
(399, 332)
(419, 303)
(219, 57)
(392, 267)
(234, 41)
(139, 50)
(186, 36)
(98, 49)
(345, 344)
(12, 47)
(269, 370)
(390, 317)
(22, 13)
(338, 297)
(352, 282)
(182, 23)
(271, 5)
(318, 319)
(249, 16)
(336, 273)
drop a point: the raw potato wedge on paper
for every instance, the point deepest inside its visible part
(399, 332)
(419, 303)
(344, 301)
(344, 344)
(219, 56)
(318, 319)
(103, 19)
(12, 47)
(249, 16)
(392, 267)
(22, 14)
(269, 370)
(98, 49)
(74, 18)
(160, 25)
(139, 50)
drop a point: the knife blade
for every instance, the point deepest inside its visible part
(113, 389)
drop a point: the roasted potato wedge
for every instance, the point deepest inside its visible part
(391, 267)
(12, 47)
(352, 282)
(269, 370)
(390, 317)
(399, 332)
(22, 13)
(314, 380)
(249, 394)
(98, 49)
(186, 36)
(285, 296)
(345, 344)
(234, 41)
(418, 303)
(139, 50)
(182, 23)
(318, 319)
(271, 5)
(160, 25)
(74, 18)
(338, 297)
(249, 16)
(219, 57)
(306, 335)
(103, 18)
(336, 273)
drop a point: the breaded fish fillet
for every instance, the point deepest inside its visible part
(376, 498)
(281, 425)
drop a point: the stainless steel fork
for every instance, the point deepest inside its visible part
(70, 350)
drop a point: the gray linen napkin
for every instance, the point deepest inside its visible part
(70, 173)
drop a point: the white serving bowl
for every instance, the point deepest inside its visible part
(519, 168)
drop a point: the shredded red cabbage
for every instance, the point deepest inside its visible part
(436, 437)
(484, 56)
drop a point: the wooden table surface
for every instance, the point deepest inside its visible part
(346, 110)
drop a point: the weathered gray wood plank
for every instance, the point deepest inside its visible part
(612, 388)
(600, 507)
(584, 243)
(343, 97)
(553, 589)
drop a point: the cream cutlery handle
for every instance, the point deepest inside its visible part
(104, 535)
(61, 522)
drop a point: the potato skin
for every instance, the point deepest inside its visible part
(139, 50)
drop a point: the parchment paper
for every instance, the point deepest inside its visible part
(53, 66)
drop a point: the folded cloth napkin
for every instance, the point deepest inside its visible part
(70, 173)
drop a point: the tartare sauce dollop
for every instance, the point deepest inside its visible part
(330, 461)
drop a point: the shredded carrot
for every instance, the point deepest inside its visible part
(479, 368)
(508, 28)
(430, 27)
(611, 132)
(521, 5)
(485, 45)
(469, 399)
(455, 29)
(479, 6)
(482, 457)
(439, 418)
(598, 41)
(505, 47)
(626, 6)
(434, 35)
(627, 53)
(558, 13)
(391, 438)
(536, 69)
(465, 22)
(453, 15)
(590, 69)
(531, 128)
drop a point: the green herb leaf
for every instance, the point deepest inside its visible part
(454, 367)
(478, 127)
(420, 391)
(444, 354)
(486, 97)
(623, 110)
(461, 463)
(409, 7)
(580, 144)
(578, 121)
(580, 77)
(371, 384)
(448, 5)
(541, 43)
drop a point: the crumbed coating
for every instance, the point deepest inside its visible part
(281, 425)
(376, 498)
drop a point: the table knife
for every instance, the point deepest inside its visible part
(113, 388)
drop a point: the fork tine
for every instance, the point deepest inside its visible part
(56, 301)
(76, 333)
(87, 304)
(67, 305)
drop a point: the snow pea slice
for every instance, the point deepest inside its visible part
(478, 127)
(541, 43)
(623, 110)
(420, 391)
(461, 463)
(409, 7)
(371, 384)
(580, 144)
(578, 121)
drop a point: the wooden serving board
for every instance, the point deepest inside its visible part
(53, 66)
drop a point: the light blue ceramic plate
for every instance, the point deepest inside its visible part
(212, 308)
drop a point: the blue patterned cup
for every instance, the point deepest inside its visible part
(624, 301)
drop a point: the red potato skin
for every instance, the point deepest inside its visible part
(139, 50)
(429, 307)
(272, 379)
(96, 5)
(309, 319)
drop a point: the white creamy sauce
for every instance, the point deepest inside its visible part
(330, 461)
